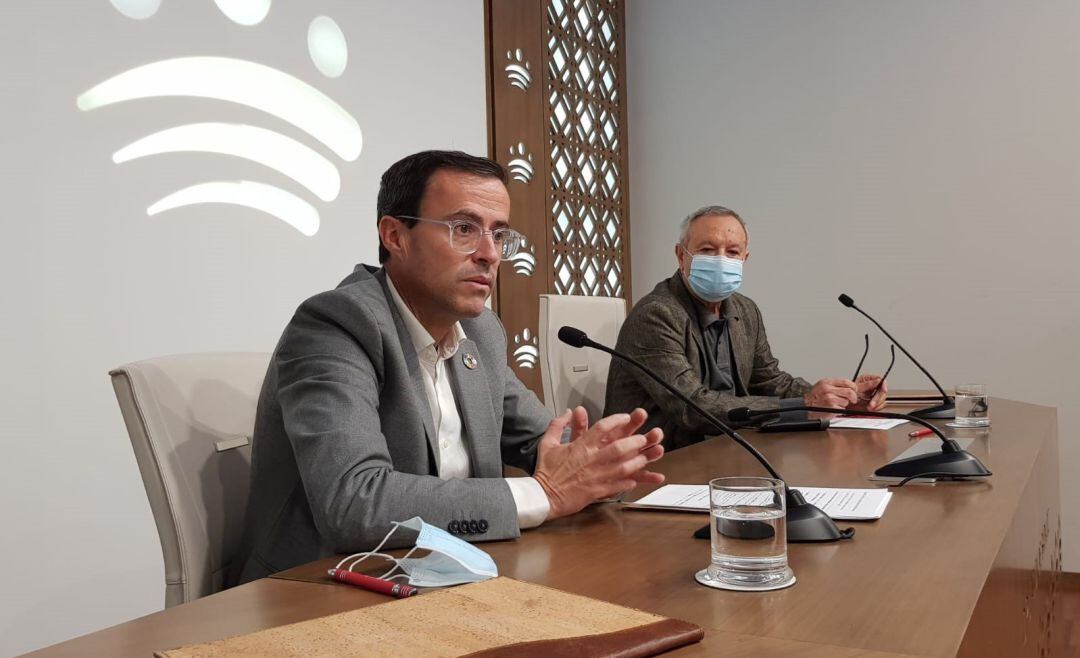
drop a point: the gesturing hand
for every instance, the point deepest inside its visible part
(873, 391)
(837, 393)
(600, 461)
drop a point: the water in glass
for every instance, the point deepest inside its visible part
(749, 534)
(972, 406)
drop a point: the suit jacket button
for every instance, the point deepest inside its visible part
(454, 528)
(483, 525)
(474, 527)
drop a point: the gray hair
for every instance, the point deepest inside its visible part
(709, 211)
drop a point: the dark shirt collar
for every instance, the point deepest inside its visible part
(706, 316)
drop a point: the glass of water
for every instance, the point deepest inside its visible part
(972, 406)
(749, 535)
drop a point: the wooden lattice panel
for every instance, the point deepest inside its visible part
(585, 142)
(558, 123)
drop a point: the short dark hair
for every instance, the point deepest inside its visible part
(403, 184)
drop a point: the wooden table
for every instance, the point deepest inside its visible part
(953, 568)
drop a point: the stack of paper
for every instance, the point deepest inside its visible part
(865, 423)
(840, 504)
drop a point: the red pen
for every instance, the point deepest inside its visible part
(400, 590)
(923, 432)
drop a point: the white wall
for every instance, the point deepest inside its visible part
(922, 156)
(90, 282)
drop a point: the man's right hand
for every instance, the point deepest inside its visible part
(601, 461)
(836, 393)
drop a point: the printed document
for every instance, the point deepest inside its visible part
(865, 423)
(840, 504)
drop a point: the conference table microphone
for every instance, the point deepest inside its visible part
(805, 522)
(952, 461)
(947, 408)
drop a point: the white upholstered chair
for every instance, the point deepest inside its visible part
(573, 376)
(190, 419)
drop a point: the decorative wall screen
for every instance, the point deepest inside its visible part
(558, 122)
(585, 116)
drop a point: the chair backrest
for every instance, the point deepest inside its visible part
(190, 419)
(573, 376)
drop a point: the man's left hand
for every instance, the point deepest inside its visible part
(872, 391)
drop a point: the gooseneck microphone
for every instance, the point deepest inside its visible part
(952, 461)
(947, 408)
(805, 522)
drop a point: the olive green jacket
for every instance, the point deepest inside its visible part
(664, 333)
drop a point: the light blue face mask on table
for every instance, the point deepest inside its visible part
(452, 561)
(714, 278)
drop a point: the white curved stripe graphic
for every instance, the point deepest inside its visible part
(526, 356)
(266, 147)
(524, 263)
(237, 81)
(271, 200)
(519, 77)
(521, 170)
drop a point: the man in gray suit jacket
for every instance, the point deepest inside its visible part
(389, 397)
(709, 342)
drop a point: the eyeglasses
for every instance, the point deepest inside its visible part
(465, 236)
(866, 350)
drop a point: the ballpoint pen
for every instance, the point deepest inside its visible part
(920, 433)
(400, 590)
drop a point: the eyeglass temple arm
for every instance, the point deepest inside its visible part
(866, 350)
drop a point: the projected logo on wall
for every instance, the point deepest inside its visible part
(253, 85)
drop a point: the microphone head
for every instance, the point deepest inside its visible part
(846, 301)
(739, 415)
(573, 337)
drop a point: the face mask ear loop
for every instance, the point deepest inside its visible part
(397, 564)
(384, 556)
(365, 555)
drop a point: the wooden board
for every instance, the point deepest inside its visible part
(501, 613)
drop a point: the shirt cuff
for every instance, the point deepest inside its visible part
(531, 501)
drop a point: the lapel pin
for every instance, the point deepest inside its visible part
(470, 361)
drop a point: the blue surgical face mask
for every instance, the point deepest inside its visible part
(714, 278)
(452, 561)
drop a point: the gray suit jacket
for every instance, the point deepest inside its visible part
(344, 440)
(664, 333)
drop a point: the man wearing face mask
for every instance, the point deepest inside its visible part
(709, 342)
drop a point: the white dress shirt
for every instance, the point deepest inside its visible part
(529, 497)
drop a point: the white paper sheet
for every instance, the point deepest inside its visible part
(865, 423)
(840, 504)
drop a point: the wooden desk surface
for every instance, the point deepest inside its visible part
(274, 602)
(907, 584)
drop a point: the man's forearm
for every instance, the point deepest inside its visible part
(357, 513)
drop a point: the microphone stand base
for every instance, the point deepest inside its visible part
(805, 523)
(945, 410)
(955, 463)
